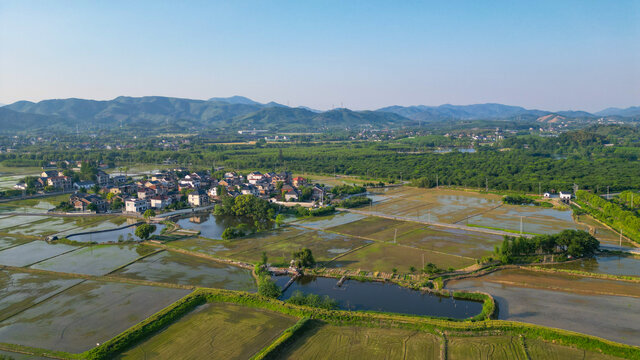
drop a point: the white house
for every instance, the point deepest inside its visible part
(546, 195)
(254, 177)
(565, 196)
(160, 201)
(198, 198)
(84, 185)
(137, 205)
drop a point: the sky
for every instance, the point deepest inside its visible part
(550, 55)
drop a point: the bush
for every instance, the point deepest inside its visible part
(304, 258)
(144, 231)
(313, 300)
(267, 287)
(354, 202)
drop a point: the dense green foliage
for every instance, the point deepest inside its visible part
(518, 200)
(304, 258)
(354, 201)
(577, 243)
(313, 300)
(145, 230)
(233, 232)
(267, 287)
(348, 189)
(611, 213)
(261, 211)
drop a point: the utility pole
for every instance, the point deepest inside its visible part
(429, 217)
(437, 182)
(520, 225)
(620, 236)
(539, 189)
(486, 184)
(423, 260)
(395, 234)
(607, 192)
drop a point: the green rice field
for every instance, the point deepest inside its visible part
(214, 331)
(323, 341)
(86, 314)
(485, 348)
(177, 268)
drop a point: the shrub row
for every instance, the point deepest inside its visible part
(282, 341)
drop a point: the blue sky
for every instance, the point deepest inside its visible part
(552, 55)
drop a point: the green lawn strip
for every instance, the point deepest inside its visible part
(200, 296)
(287, 337)
(501, 229)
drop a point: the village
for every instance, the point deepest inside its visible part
(172, 189)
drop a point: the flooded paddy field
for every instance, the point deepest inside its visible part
(608, 264)
(177, 268)
(113, 236)
(95, 260)
(452, 241)
(325, 222)
(279, 244)
(349, 342)
(20, 290)
(8, 222)
(534, 301)
(447, 206)
(89, 313)
(603, 233)
(20, 356)
(214, 331)
(381, 296)
(385, 257)
(535, 219)
(11, 241)
(32, 252)
(485, 347)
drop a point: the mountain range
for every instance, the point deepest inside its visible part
(238, 112)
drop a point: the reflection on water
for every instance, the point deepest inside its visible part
(378, 296)
(209, 225)
(613, 265)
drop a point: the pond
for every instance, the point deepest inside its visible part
(378, 296)
(613, 265)
(114, 236)
(209, 225)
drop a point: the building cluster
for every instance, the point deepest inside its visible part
(195, 189)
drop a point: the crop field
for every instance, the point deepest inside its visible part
(8, 181)
(385, 257)
(214, 331)
(325, 222)
(447, 206)
(126, 234)
(612, 264)
(32, 252)
(13, 221)
(177, 268)
(564, 282)
(349, 342)
(485, 347)
(94, 260)
(89, 313)
(279, 245)
(535, 219)
(451, 241)
(37, 205)
(19, 290)
(542, 350)
(615, 318)
(603, 233)
(10, 241)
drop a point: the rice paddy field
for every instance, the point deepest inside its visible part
(91, 312)
(325, 222)
(535, 219)
(323, 341)
(610, 264)
(563, 302)
(542, 350)
(36, 205)
(278, 244)
(20, 290)
(32, 252)
(11, 241)
(177, 268)
(95, 260)
(113, 236)
(40, 226)
(485, 348)
(386, 257)
(214, 331)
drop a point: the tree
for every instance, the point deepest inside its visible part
(92, 207)
(280, 220)
(263, 258)
(144, 231)
(268, 288)
(149, 214)
(304, 258)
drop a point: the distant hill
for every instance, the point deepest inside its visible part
(11, 121)
(462, 112)
(163, 113)
(633, 111)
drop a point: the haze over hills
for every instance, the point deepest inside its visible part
(238, 112)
